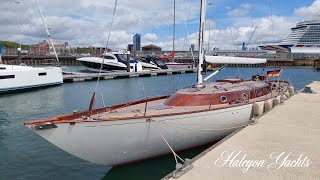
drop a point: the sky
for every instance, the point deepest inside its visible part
(84, 23)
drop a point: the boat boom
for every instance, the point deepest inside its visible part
(234, 60)
(214, 73)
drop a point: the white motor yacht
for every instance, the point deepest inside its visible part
(15, 77)
(114, 61)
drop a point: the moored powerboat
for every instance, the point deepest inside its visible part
(114, 61)
(155, 61)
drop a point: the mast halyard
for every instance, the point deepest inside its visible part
(47, 31)
(18, 3)
(174, 27)
(201, 51)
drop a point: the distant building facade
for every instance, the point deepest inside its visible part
(151, 48)
(137, 42)
(98, 50)
(45, 47)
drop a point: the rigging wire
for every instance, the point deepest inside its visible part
(186, 25)
(37, 25)
(271, 14)
(103, 58)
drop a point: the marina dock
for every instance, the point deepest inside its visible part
(77, 77)
(281, 144)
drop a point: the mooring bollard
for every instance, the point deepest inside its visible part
(128, 62)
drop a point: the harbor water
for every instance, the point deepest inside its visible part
(25, 155)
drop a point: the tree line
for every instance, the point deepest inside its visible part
(9, 44)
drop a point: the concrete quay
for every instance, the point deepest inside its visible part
(283, 144)
(78, 77)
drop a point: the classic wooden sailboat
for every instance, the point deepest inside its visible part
(139, 130)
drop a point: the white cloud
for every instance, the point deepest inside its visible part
(86, 23)
(313, 9)
(150, 37)
(232, 38)
(241, 11)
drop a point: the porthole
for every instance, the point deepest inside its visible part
(223, 99)
(244, 96)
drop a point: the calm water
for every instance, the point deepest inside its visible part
(24, 155)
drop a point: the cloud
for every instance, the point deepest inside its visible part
(87, 23)
(232, 38)
(314, 8)
(241, 11)
(150, 37)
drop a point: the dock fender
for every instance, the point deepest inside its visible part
(287, 95)
(258, 108)
(291, 90)
(283, 98)
(268, 104)
(276, 101)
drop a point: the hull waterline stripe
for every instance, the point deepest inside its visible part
(28, 87)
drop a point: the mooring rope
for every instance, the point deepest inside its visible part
(174, 153)
(101, 66)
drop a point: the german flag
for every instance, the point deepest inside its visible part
(275, 73)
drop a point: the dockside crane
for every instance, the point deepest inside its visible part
(244, 45)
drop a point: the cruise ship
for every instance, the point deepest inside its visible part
(305, 37)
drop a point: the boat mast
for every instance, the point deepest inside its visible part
(201, 51)
(47, 31)
(0, 52)
(174, 27)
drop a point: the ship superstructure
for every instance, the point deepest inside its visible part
(305, 34)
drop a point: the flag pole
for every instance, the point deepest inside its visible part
(279, 80)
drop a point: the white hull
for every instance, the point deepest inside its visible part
(124, 141)
(114, 64)
(180, 66)
(234, 60)
(13, 77)
(148, 66)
